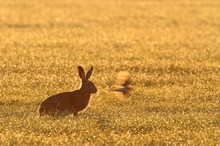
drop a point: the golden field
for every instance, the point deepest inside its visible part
(170, 48)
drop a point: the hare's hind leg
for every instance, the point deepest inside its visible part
(66, 112)
(48, 111)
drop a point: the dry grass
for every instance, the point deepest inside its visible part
(171, 49)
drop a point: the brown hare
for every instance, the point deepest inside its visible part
(70, 102)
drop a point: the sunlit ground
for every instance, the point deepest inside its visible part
(170, 48)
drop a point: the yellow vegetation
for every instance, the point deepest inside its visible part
(170, 48)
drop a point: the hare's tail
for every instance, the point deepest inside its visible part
(41, 111)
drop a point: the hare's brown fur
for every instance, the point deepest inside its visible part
(70, 102)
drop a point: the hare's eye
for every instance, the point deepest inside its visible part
(90, 86)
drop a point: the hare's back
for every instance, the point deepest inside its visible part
(56, 99)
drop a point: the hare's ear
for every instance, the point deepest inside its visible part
(81, 72)
(89, 73)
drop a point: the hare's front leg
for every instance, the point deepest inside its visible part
(75, 113)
